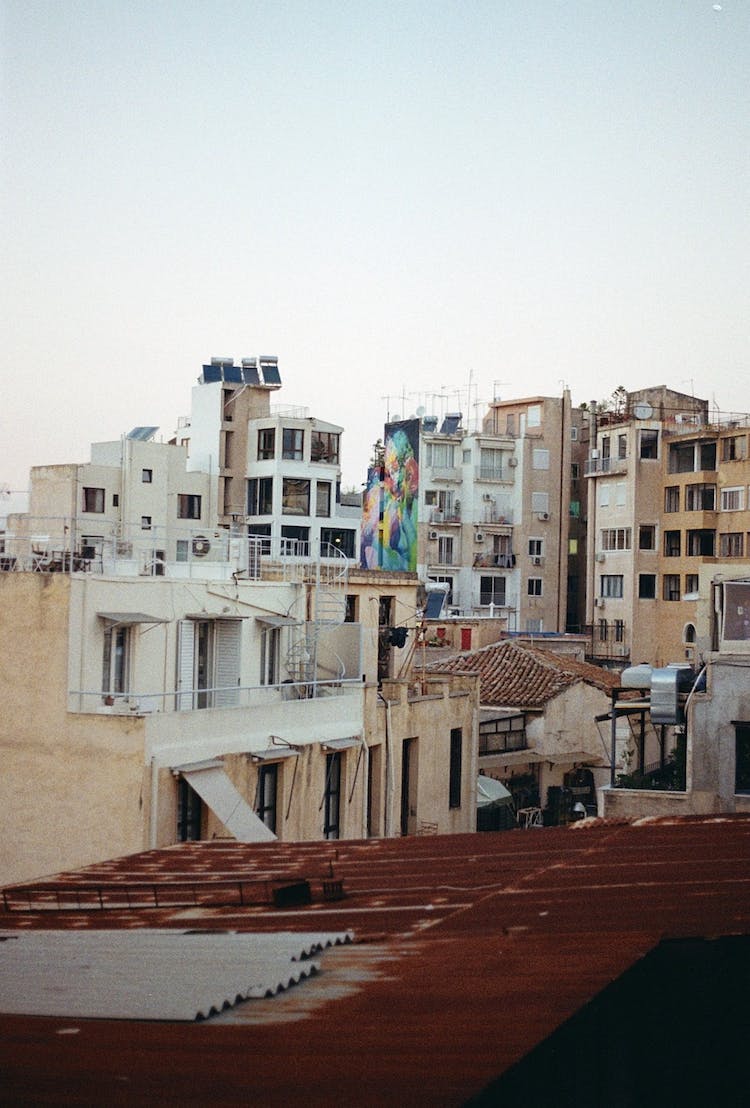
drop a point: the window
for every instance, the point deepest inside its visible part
(442, 579)
(342, 538)
(145, 523)
(733, 499)
(266, 444)
(536, 548)
(616, 538)
(116, 661)
(270, 644)
(707, 455)
(575, 471)
(572, 547)
(540, 459)
(454, 782)
(742, 757)
(672, 544)
(510, 423)
(681, 458)
(182, 553)
(671, 586)
(534, 415)
(189, 812)
(322, 498)
(535, 626)
(620, 494)
(700, 543)
(295, 497)
(733, 449)
(93, 500)
(293, 444)
(324, 447)
(147, 476)
(646, 586)
(188, 506)
(647, 537)
(691, 583)
(603, 630)
(490, 464)
(441, 455)
(115, 500)
(268, 780)
(540, 502)
(492, 591)
(295, 541)
(208, 663)
(466, 457)
(610, 584)
(649, 443)
(603, 494)
(260, 496)
(445, 550)
(619, 630)
(534, 586)
(672, 498)
(575, 509)
(574, 434)
(351, 613)
(622, 446)
(731, 544)
(700, 498)
(606, 447)
(332, 796)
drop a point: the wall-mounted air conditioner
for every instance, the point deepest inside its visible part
(478, 536)
(512, 462)
(537, 560)
(598, 601)
(432, 535)
(488, 498)
(542, 516)
(601, 557)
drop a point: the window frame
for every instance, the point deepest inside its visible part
(455, 766)
(93, 500)
(189, 505)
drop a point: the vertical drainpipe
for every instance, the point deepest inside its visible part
(613, 727)
(153, 812)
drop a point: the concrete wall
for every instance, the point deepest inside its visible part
(73, 789)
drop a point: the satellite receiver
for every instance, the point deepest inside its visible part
(643, 410)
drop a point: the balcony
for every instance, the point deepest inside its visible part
(598, 467)
(496, 473)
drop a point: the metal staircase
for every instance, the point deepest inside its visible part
(328, 576)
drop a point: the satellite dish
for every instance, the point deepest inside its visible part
(420, 411)
(643, 410)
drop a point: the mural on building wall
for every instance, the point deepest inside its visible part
(370, 552)
(389, 520)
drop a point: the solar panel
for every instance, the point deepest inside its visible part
(434, 604)
(142, 434)
(270, 368)
(233, 374)
(211, 373)
(450, 424)
(250, 373)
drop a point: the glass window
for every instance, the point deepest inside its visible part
(295, 499)
(649, 443)
(293, 444)
(183, 550)
(445, 550)
(734, 449)
(707, 455)
(540, 459)
(260, 496)
(145, 523)
(492, 591)
(324, 447)
(671, 586)
(270, 640)
(700, 543)
(322, 498)
(742, 758)
(622, 446)
(536, 548)
(534, 586)
(116, 661)
(266, 444)
(681, 458)
(603, 494)
(646, 586)
(672, 498)
(540, 502)
(691, 582)
(606, 446)
(332, 796)
(147, 476)
(672, 544)
(188, 506)
(342, 538)
(268, 780)
(731, 544)
(647, 537)
(616, 538)
(93, 500)
(440, 455)
(733, 499)
(700, 498)
(490, 464)
(610, 584)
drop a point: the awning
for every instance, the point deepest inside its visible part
(273, 754)
(130, 617)
(531, 757)
(341, 744)
(211, 615)
(278, 621)
(212, 785)
(492, 793)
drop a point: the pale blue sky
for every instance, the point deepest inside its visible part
(392, 197)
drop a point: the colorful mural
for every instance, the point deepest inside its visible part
(389, 522)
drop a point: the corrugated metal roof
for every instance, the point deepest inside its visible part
(149, 974)
(469, 951)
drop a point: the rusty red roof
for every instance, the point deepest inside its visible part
(469, 951)
(522, 676)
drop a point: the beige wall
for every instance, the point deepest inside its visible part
(72, 790)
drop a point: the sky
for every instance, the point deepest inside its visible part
(412, 204)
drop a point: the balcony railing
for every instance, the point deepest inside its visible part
(595, 466)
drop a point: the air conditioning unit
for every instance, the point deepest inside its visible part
(512, 462)
(543, 516)
(537, 560)
(488, 498)
(598, 601)
(478, 536)
(601, 557)
(432, 535)
(594, 454)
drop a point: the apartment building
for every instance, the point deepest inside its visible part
(483, 513)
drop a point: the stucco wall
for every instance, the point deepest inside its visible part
(72, 790)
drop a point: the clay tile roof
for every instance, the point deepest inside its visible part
(512, 674)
